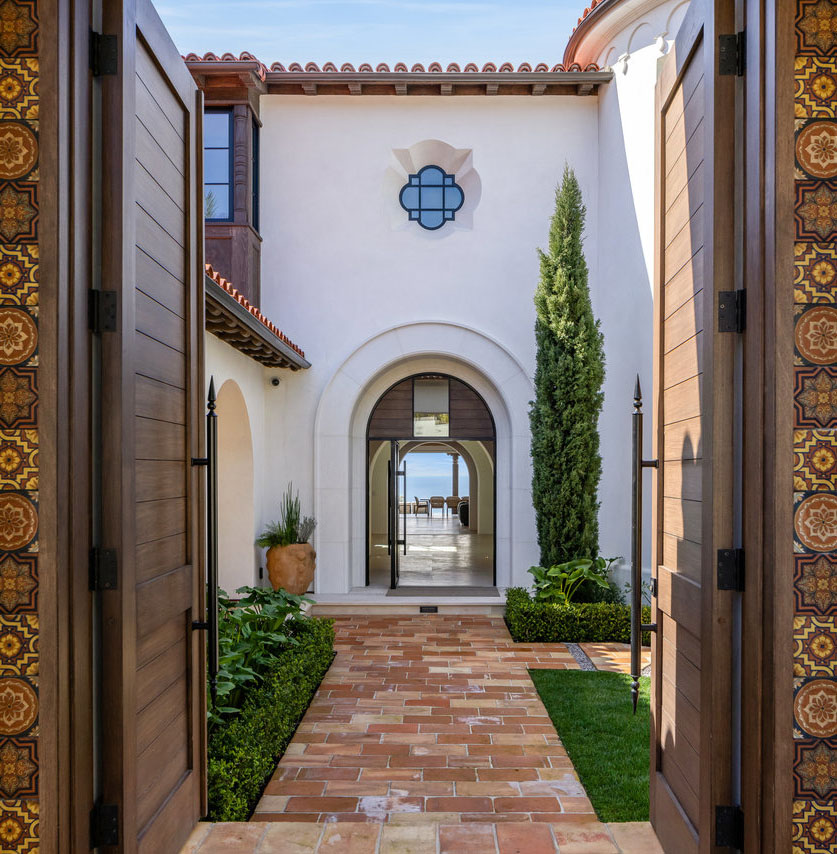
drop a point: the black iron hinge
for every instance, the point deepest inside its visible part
(654, 587)
(731, 55)
(104, 54)
(732, 311)
(729, 827)
(103, 569)
(102, 311)
(731, 569)
(104, 825)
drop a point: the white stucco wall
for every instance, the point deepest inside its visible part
(372, 297)
(633, 48)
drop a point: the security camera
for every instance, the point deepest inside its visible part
(274, 381)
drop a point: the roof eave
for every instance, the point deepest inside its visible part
(584, 26)
(262, 345)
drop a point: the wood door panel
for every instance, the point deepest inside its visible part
(160, 479)
(683, 361)
(161, 671)
(158, 400)
(159, 362)
(160, 440)
(683, 519)
(684, 283)
(687, 204)
(158, 519)
(690, 684)
(156, 557)
(681, 556)
(681, 714)
(157, 282)
(157, 162)
(156, 716)
(683, 445)
(684, 400)
(161, 767)
(163, 599)
(686, 162)
(684, 324)
(153, 237)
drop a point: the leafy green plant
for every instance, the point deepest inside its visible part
(560, 583)
(244, 749)
(252, 635)
(547, 622)
(291, 528)
(566, 464)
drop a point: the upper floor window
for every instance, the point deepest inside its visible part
(255, 176)
(431, 197)
(217, 164)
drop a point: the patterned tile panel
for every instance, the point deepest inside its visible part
(19, 444)
(815, 429)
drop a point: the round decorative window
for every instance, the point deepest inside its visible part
(431, 197)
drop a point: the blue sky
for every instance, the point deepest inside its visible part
(375, 30)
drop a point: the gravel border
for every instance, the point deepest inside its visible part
(584, 662)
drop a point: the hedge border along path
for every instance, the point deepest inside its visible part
(242, 754)
(541, 622)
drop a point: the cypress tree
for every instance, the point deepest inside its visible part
(568, 390)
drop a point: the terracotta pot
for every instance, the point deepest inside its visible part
(291, 567)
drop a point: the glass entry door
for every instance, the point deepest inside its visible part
(397, 505)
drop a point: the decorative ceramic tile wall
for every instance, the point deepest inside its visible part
(815, 430)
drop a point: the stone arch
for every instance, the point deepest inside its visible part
(236, 500)
(340, 441)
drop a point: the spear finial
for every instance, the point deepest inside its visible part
(637, 395)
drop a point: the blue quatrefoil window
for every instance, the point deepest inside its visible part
(431, 197)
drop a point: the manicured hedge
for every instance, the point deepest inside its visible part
(541, 622)
(244, 751)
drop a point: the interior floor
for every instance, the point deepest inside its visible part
(441, 552)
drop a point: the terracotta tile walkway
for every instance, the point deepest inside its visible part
(427, 735)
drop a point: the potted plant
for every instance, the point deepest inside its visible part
(290, 557)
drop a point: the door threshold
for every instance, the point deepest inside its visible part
(377, 601)
(427, 590)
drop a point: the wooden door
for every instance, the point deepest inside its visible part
(152, 395)
(692, 682)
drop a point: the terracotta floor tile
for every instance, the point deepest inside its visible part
(345, 838)
(405, 839)
(462, 839)
(291, 838)
(635, 837)
(525, 839)
(457, 804)
(196, 837)
(238, 837)
(322, 804)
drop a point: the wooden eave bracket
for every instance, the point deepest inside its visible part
(230, 321)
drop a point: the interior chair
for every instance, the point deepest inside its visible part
(421, 505)
(452, 502)
(437, 502)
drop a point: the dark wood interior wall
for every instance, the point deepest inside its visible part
(392, 417)
(470, 418)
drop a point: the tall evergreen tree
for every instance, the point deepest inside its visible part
(568, 390)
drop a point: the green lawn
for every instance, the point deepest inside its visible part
(607, 744)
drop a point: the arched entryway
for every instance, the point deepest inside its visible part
(428, 435)
(235, 490)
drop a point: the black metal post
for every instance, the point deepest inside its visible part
(636, 545)
(637, 626)
(212, 536)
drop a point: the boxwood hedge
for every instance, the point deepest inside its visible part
(542, 622)
(243, 751)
